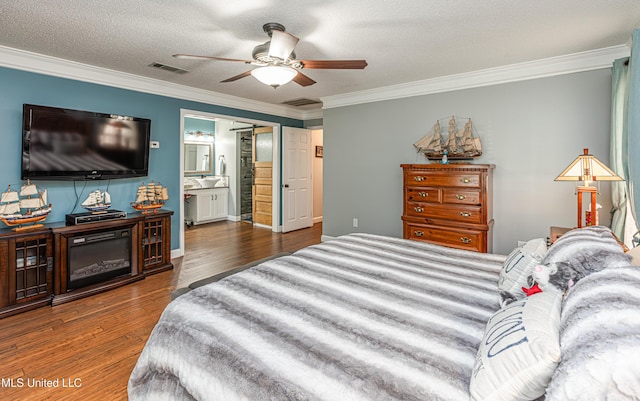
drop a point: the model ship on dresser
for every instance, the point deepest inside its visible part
(458, 145)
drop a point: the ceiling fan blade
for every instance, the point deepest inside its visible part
(282, 44)
(334, 64)
(237, 77)
(193, 56)
(303, 80)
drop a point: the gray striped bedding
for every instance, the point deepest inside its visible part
(600, 339)
(360, 317)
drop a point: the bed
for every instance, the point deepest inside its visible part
(360, 317)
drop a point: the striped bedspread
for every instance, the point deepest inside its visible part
(600, 339)
(361, 317)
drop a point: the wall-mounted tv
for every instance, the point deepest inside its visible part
(63, 144)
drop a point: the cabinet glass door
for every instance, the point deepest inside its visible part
(31, 268)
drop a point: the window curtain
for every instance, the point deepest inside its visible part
(619, 141)
(633, 127)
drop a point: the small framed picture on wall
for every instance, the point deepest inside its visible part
(318, 151)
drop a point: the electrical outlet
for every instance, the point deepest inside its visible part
(355, 222)
(154, 145)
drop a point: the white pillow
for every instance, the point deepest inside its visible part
(519, 265)
(519, 351)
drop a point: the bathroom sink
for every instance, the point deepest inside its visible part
(208, 182)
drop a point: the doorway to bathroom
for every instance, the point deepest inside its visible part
(234, 144)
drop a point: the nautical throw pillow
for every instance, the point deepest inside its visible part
(519, 265)
(519, 351)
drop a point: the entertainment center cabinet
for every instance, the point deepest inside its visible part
(53, 264)
(26, 270)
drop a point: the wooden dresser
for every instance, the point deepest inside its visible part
(449, 204)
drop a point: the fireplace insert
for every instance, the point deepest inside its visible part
(98, 257)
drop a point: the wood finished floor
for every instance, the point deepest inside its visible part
(87, 348)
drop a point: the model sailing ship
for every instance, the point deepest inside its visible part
(459, 144)
(97, 201)
(28, 206)
(150, 197)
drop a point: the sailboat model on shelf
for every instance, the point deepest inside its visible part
(459, 144)
(29, 206)
(97, 201)
(150, 197)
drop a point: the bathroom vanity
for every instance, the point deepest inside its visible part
(205, 201)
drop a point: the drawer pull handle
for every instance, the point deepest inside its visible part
(461, 197)
(418, 209)
(465, 240)
(423, 194)
(465, 180)
(465, 214)
(419, 178)
(418, 233)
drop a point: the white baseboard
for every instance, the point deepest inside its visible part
(324, 238)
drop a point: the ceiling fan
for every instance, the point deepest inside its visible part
(276, 60)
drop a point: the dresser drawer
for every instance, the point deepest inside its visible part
(462, 239)
(464, 214)
(418, 194)
(448, 204)
(462, 197)
(438, 179)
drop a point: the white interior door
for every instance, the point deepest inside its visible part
(297, 196)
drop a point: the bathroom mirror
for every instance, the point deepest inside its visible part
(198, 158)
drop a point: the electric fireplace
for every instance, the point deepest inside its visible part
(98, 257)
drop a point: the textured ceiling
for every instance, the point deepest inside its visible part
(402, 40)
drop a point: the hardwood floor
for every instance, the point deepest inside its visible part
(86, 349)
(227, 245)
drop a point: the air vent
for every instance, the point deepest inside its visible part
(169, 68)
(301, 102)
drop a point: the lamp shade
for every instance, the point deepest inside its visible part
(587, 168)
(274, 75)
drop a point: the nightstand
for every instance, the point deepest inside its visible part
(556, 232)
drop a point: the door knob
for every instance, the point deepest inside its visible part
(285, 186)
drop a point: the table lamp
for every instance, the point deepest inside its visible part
(587, 168)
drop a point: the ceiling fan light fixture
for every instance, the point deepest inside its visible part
(274, 75)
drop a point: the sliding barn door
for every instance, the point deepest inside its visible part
(262, 156)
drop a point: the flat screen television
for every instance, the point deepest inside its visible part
(63, 144)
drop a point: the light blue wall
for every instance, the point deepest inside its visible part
(18, 87)
(531, 131)
(198, 124)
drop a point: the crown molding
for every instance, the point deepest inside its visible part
(567, 64)
(47, 65)
(312, 114)
(572, 63)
